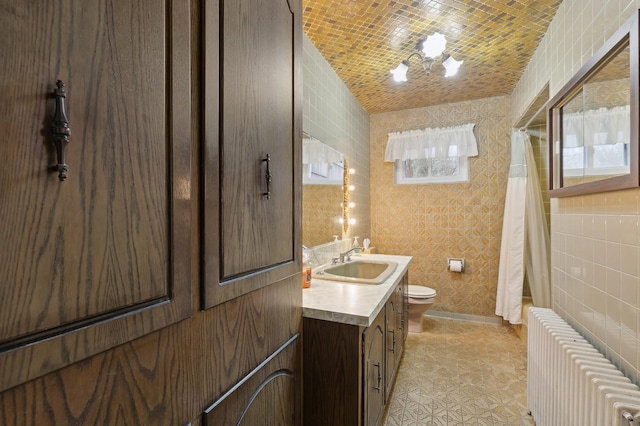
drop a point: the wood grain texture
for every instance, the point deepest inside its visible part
(252, 107)
(267, 396)
(331, 358)
(342, 364)
(167, 377)
(103, 257)
(374, 371)
(392, 344)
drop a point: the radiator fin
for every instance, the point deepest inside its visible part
(570, 382)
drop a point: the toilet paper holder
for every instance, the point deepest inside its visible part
(455, 264)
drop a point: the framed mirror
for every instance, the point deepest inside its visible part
(323, 170)
(593, 121)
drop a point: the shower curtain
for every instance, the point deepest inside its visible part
(525, 236)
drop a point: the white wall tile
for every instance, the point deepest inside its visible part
(603, 301)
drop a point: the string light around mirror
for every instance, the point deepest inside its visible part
(346, 204)
(432, 49)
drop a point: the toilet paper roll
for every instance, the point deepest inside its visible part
(455, 266)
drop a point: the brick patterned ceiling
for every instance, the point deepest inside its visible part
(364, 39)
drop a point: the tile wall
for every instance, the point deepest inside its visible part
(332, 115)
(436, 221)
(595, 239)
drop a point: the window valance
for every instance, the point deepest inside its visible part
(602, 126)
(458, 141)
(314, 151)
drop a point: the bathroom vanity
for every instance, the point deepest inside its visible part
(354, 336)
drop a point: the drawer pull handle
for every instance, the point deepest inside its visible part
(60, 132)
(268, 177)
(377, 387)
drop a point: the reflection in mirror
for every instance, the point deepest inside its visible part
(322, 194)
(596, 125)
(595, 145)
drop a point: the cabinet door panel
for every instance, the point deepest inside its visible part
(257, 121)
(252, 110)
(102, 257)
(392, 345)
(374, 371)
(269, 395)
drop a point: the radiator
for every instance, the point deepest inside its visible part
(570, 382)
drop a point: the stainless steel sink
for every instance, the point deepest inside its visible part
(357, 271)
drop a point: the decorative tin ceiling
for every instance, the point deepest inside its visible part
(364, 39)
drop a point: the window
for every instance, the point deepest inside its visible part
(596, 160)
(432, 170)
(437, 155)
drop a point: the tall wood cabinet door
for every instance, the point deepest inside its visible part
(374, 371)
(102, 257)
(252, 150)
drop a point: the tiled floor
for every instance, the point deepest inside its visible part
(461, 373)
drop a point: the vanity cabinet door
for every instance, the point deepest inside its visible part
(402, 302)
(405, 308)
(393, 339)
(103, 256)
(374, 370)
(252, 149)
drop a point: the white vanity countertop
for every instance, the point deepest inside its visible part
(351, 303)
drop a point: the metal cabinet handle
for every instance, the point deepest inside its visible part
(377, 364)
(268, 177)
(393, 346)
(60, 131)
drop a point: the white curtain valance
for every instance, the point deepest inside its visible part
(314, 151)
(458, 141)
(602, 126)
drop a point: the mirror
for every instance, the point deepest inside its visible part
(323, 170)
(595, 139)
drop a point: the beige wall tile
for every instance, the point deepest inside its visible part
(437, 221)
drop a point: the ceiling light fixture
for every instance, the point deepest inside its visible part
(432, 48)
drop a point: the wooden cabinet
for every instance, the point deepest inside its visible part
(404, 323)
(397, 308)
(269, 395)
(348, 369)
(252, 153)
(374, 364)
(103, 257)
(394, 342)
(172, 105)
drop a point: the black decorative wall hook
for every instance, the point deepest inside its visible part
(60, 132)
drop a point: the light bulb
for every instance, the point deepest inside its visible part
(400, 73)
(352, 205)
(352, 187)
(434, 45)
(451, 65)
(352, 221)
(352, 171)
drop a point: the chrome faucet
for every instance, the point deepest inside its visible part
(347, 254)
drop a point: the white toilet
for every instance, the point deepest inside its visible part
(420, 299)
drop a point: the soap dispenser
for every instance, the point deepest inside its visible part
(306, 268)
(356, 244)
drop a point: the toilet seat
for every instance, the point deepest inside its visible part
(421, 292)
